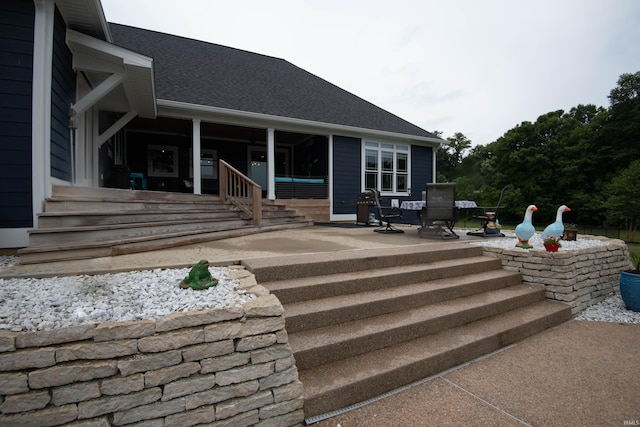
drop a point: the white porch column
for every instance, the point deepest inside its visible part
(41, 105)
(271, 163)
(330, 183)
(433, 164)
(197, 175)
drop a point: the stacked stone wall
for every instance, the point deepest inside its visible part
(579, 277)
(221, 367)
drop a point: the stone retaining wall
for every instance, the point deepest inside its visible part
(223, 367)
(580, 277)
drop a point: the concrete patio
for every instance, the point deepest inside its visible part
(580, 373)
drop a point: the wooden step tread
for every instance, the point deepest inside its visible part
(133, 212)
(82, 250)
(151, 201)
(345, 382)
(118, 240)
(129, 225)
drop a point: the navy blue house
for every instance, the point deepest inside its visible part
(88, 103)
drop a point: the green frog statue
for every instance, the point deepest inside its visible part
(199, 277)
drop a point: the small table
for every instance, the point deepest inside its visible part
(434, 228)
(417, 205)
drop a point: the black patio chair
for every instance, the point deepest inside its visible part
(489, 220)
(440, 214)
(386, 214)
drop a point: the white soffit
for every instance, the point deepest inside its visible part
(98, 58)
(86, 16)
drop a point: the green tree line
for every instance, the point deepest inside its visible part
(582, 158)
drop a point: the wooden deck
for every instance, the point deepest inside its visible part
(81, 222)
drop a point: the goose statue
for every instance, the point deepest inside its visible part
(525, 230)
(556, 229)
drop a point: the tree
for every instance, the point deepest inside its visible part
(620, 137)
(561, 158)
(450, 156)
(623, 204)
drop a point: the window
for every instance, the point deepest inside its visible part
(162, 161)
(386, 167)
(209, 164)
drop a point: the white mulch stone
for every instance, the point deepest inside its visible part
(45, 304)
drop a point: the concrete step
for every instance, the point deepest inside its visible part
(308, 265)
(339, 284)
(334, 310)
(362, 323)
(336, 385)
(331, 343)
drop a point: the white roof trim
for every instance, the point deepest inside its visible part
(244, 118)
(93, 55)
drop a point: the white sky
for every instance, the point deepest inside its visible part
(479, 67)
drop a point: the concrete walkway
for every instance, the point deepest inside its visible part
(580, 373)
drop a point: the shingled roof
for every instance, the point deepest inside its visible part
(201, 73)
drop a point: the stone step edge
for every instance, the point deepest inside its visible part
(364, 335)
(341, 309)
(341, 382)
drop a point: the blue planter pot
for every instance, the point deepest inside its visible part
(630, 290)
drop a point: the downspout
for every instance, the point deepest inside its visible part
(41, 105)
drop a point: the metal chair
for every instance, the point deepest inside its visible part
(386, 214)
(490, 223)
(440, 214)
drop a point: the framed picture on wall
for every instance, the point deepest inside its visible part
(162, 161)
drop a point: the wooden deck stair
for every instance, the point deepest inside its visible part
(80, 222)
(363, 323)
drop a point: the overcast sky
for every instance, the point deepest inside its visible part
(470, 66)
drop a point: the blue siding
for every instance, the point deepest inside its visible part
(421, 170)
(62, 95)
(346, 174)
(16, 72)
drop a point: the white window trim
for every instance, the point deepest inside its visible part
(395, 150)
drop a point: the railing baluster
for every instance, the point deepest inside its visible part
(241, 191)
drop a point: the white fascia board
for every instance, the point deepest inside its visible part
(93, 55)
(245, 118)
(127, 56)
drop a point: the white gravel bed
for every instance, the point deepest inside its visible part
(45, 304)
(510, 240)
(610, 310)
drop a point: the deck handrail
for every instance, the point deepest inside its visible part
(240, 191)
